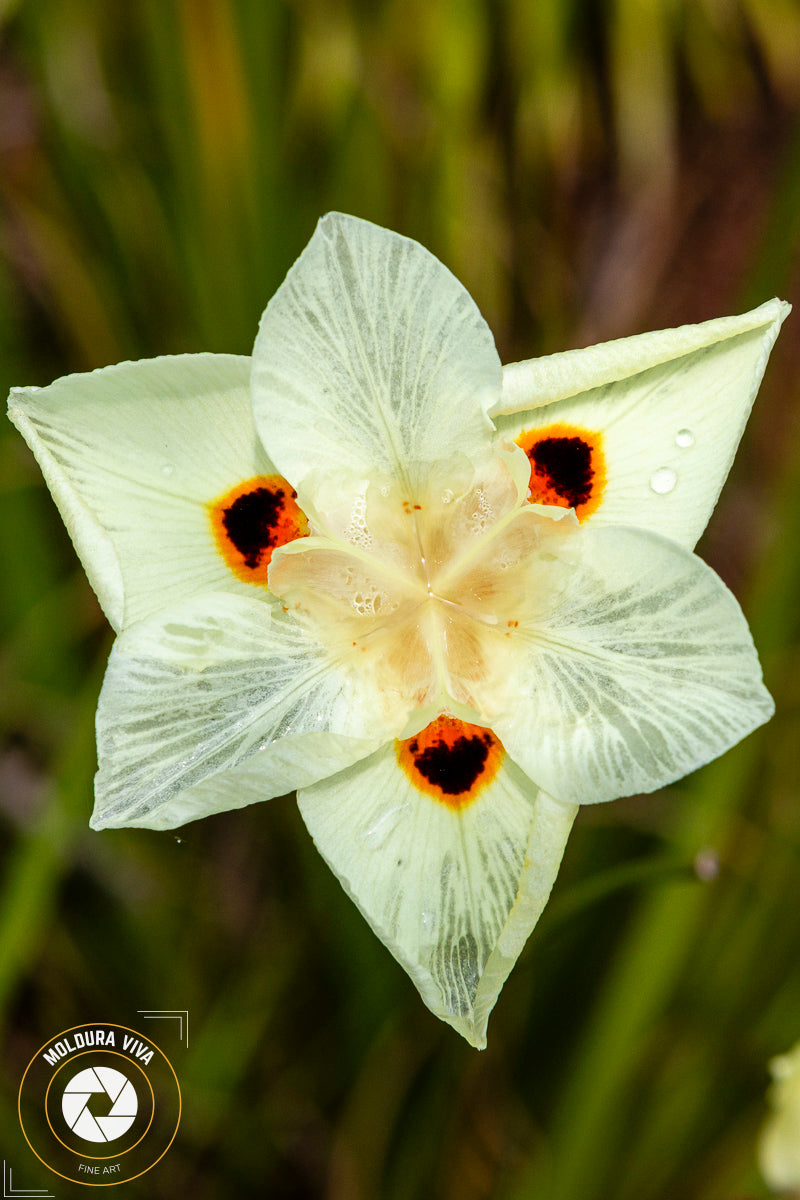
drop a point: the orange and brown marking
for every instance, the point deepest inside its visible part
(253, 519)
(568, 467)
(451, 760)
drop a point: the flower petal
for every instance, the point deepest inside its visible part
(665, 409)
(452, 890)
(219, 703)
(135, 456)
(371, 357)
(644, 671)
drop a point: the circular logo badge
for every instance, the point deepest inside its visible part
(99, 1104)
(99, 1081)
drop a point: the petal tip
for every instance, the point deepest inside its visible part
(474, 1034)
(16, 400)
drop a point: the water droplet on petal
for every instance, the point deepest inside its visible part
(663, 480)
(684, 438)
(447, 496)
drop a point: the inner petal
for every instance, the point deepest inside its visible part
(367, 613)
(518, 571)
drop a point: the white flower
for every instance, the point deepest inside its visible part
(495, 616)
(779, 1145)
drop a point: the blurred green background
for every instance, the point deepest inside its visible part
(589, 169)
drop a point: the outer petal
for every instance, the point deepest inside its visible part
(370, 357)
(220, 703)
(133, 454)
(671, 407)
(454, 894)
(644, 671)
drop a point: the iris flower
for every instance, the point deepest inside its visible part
(446, 601)
(779, 1143)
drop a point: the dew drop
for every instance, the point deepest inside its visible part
(663, 480)
(168, 470)
(684, 438)
(447, 496)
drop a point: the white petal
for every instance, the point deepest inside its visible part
(539, 381)
(133, 454)
(645, 671)
(93, 544)
(221, 702)
(453, 893)
(670, 406)
(371, 357)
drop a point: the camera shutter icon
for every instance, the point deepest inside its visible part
(99, 1081)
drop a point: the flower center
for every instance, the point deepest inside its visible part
(425, 595)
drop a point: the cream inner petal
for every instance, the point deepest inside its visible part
(420, 598)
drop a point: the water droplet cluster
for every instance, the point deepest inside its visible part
(357, 531)
(663, 481)
(482, 517)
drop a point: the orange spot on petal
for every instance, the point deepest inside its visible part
(451, 760)
(252, 520)
(568, 467)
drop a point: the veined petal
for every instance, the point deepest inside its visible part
(136, 456)
(664, 412)
(370, 358)
(643, 672)
(452, 889)
(220, 702)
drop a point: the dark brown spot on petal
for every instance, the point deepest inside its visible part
(252, 520)
(567, 467)
(451, 760)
